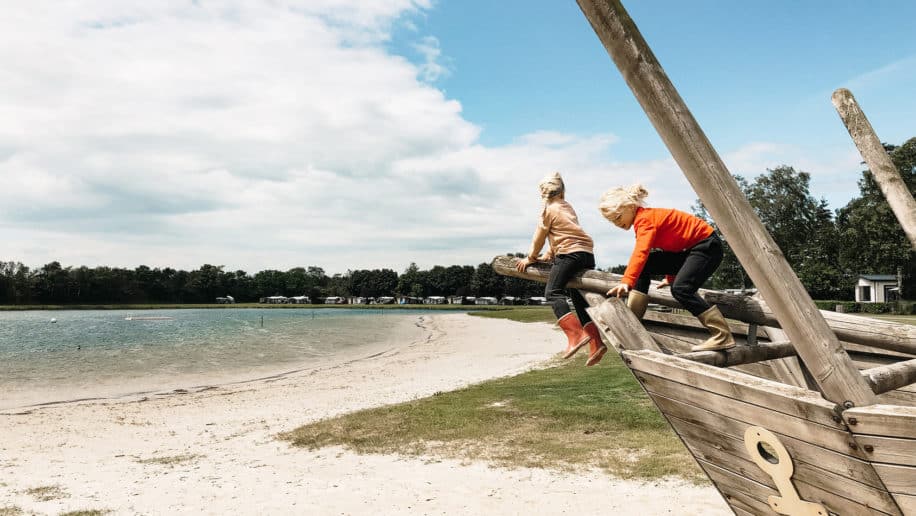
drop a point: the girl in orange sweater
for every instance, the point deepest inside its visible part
(682, 247)
(571, 252)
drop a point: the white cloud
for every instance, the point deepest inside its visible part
(267, 134)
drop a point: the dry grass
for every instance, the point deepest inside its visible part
(562, 417)
(173, 460)
(47, 493)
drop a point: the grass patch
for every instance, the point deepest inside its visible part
(905, 319)
(10, 510)
(89, 512)
(173, 460)
(520, 314)
(562, 417)
(47, 493)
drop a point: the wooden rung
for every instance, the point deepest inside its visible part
(891, 377)
(739, 355)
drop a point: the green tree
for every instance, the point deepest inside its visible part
(874, 241)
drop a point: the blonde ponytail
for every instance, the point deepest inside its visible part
(616, 199)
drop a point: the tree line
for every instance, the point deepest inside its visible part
(54, 284)
(828, 251)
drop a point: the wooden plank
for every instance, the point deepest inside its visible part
(907, 503)
(884, 172)
(669, 319)
(898, 397)
(752, 495)
(741, 512)
(793, 401)
(789, 370)
(734, 483)
(882, 420)
(892, 376)
(898, 479)
(812, 483)
(852, 347)
(848, 327)
(798, 428)
(837, 461)
(742, 354)
(741, 501)
(817, 345)
(889, 450)
(620, 326)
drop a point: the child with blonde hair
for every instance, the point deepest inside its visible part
(681, 246)
(571, 251)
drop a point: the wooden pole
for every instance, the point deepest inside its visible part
(882, 168)
(892, 376)
(836, 376)
(742, 354)
(848, 327)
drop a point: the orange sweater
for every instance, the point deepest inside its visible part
(666, 229)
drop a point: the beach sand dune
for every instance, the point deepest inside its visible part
(216, 452)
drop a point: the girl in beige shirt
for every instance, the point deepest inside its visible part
(571, 251)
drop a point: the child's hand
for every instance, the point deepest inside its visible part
(663, 283)
(523, 264)
(619, 291)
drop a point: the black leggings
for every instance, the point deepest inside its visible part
(565, 266)
(691, 269)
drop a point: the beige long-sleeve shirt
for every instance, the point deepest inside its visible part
(559, 226)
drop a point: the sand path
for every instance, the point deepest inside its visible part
(105, 454)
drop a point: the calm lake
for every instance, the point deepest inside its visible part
(53, 356)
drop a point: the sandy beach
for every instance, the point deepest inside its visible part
(108, 454)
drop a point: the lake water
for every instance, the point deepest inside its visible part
(112, 353)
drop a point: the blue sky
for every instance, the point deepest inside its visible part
(360, 134)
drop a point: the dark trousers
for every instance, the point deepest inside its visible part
(691, 269)
(565, 266)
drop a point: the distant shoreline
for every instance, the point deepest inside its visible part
(153, 306)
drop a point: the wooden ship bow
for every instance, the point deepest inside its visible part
(813, 413)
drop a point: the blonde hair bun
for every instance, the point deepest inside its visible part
(616, 199)
(552, 185)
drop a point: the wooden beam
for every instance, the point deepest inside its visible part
(742, 354)
(892, 376)
(882, 168)
(851, 328)
(819, 348)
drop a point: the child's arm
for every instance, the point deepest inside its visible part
(644, 238)
(537, 242)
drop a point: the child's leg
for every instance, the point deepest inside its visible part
(701, 261)
(564, 267)
(584, 261)
(659, 262)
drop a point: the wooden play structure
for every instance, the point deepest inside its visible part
(813, 413)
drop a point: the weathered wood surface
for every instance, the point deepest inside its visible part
(812, 482)
(851, 328)
(820, 434)
(817, 345)
(770, 395)
(789, 370)
(742, 354)
(882, 420)
(882, 168)
(831, 460)
(907, 503)
(892, 376)
(690, 322)
(618, 324)
(889, 450)
(898, 479)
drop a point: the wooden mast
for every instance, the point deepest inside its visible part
(834, 372)
(880, 164)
